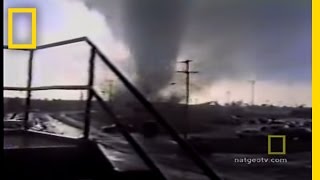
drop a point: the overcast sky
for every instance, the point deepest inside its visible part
(230, 41)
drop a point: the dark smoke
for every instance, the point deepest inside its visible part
(152, 30)
(236, 40)
(153, 33)
(227, 39)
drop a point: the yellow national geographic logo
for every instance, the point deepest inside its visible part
(33, 44)
(272, 137)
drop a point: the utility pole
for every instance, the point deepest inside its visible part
(81, 96)
(187, 72)
(228, 94)
(253, 83)
(109, 90)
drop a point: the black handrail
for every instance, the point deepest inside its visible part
(61, 43)
(50, 45)
(158, 117)
(29, 81)
(44, 88)
(127, 135)
(87, 114)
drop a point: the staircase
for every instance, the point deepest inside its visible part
(35, 155)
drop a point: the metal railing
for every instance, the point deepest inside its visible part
(92, 93)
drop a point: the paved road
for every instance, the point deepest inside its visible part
(172, 162)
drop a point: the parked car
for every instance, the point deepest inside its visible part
(253, 121)
(264, 120)
(109, 128)
(150, 129)
(277, 121)
(307, 124)
(295, 133)
(13, 124)
(250, 133)
(273, 128)
(114, 129)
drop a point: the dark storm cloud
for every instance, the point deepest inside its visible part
(153, 34)
(152, 31)
(240, 39)
(228, 39)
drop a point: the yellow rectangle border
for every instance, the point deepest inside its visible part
(283, 137)
(33, 12)
(315, 88)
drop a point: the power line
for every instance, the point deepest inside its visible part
(253, 83)
(109, 90)
(228, 94)
(188, 73)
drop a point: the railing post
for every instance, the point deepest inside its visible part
(149, 107)
(29, 80)
(139, 150)
(28, 99)
(89, 94)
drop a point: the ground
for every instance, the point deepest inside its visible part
(171, 159)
